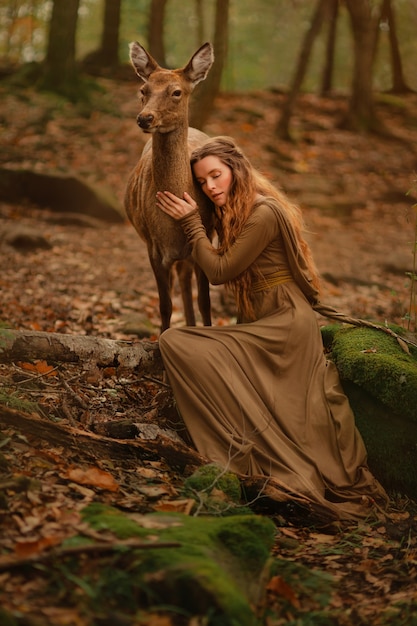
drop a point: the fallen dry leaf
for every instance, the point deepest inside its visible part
(39, 367)
(178, 506)
(93, 476)
(29, 548)
(279, 587)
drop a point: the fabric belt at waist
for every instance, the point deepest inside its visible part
(271, 280)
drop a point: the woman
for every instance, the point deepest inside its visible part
(259, 397)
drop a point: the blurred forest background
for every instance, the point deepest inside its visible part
(263, 42)
(301, 84)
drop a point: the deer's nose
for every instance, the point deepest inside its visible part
(144, 121)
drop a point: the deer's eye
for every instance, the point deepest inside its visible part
(177, 93)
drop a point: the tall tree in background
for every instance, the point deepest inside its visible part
(327, 77)
(107, 55)
(156, 31)
(60, 70)
(199, 9)
(364, 17)
(399, 84)
(320, 13)
(110, 34)
(203, 102)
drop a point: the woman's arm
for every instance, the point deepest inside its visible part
(260, 229)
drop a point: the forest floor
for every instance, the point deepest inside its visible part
(83, 276)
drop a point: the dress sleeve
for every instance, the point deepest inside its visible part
(260, 229)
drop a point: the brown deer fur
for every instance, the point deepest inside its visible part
(165, 166)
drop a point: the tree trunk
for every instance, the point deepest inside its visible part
(25, 345)
(398, 82)
(203, 102)
(156, 31)
(283, 126)
(361, 114)
(199, 9)
(106, 58)
(327, 78)
(60, 71)
(110, 35)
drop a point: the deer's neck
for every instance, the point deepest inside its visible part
(171, 161)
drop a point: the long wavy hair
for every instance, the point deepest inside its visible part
(247, 183)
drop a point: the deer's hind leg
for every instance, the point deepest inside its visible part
(164, 279)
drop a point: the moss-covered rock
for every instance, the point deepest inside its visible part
(376, 362)
(216, 571)
(215, 491)
(211, 476)
(390, 440)
(380, 379)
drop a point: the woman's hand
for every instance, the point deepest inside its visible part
(173, 205)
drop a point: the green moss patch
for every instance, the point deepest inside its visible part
(215, 571)
(380, 380)
(215, 492)
(376, 362)
(390, 440)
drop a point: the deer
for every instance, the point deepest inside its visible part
(164, 165)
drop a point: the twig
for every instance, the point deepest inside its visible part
(157, 381)
(328, 311)
(74, 395)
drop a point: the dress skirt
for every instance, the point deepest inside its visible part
(260, 398)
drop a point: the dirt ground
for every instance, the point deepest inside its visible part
(78, 275)
(352, 189)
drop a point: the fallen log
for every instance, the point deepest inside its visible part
(265, 494)
(25, 345)
(92, 446)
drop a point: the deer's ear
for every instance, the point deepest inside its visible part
(141, 60)
(200, 63)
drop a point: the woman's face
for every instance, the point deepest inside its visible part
(215, 178)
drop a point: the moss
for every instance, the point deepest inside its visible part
(11, 398)
(7, 619)
(375, 362)
(387, 437)
(246, 538)
(304, 581)
(209, 477)
(216, 492)
(214, 572)
(380, 380)
(103, 517)
(328, 334)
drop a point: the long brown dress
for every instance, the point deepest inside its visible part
(260, 398)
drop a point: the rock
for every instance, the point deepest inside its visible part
(60, 192)
(216, 573)
(380, 379)
(210, 477)
(23, 238)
